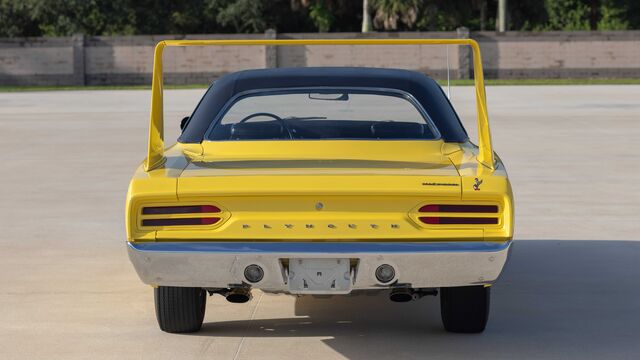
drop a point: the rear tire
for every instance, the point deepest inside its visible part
(465, 309)
(180, 309)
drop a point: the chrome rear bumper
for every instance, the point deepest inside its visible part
(222, 264)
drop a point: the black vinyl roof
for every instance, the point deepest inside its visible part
(425, 90)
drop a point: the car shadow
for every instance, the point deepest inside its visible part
(555, 299)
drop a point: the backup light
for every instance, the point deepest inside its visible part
(253, 273)
(385, 273)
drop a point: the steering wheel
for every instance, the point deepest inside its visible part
(273, 116)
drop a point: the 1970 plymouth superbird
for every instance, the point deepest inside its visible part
(320, 181)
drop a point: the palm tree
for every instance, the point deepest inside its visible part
(389, 12)
(366, 17)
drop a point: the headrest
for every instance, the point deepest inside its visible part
(397, 130)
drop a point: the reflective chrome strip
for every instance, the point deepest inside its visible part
(319, 247)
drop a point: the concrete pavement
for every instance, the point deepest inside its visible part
(68, 290)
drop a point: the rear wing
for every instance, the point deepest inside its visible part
(155, 155)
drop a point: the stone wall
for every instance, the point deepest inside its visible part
(120, 60)
(613, 54)
(38, 61)
(129, 60)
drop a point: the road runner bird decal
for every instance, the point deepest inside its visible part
(476, 185)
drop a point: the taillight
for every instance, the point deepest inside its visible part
(186, 221)
(459, 209)
(190, 209)
(181, 210)
(432, 220)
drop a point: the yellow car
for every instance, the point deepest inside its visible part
(320, 181)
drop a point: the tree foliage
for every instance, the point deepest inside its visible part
(612, 16)
(125, 17)
(390, 12)
(567, 15)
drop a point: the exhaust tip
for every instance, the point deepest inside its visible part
(238, 296)
(401, 295)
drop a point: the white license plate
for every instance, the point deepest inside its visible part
(319, 276)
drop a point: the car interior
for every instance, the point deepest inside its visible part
(316, 129)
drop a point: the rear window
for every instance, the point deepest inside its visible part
(323, 114)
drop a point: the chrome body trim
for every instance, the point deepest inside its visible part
(222, 264)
